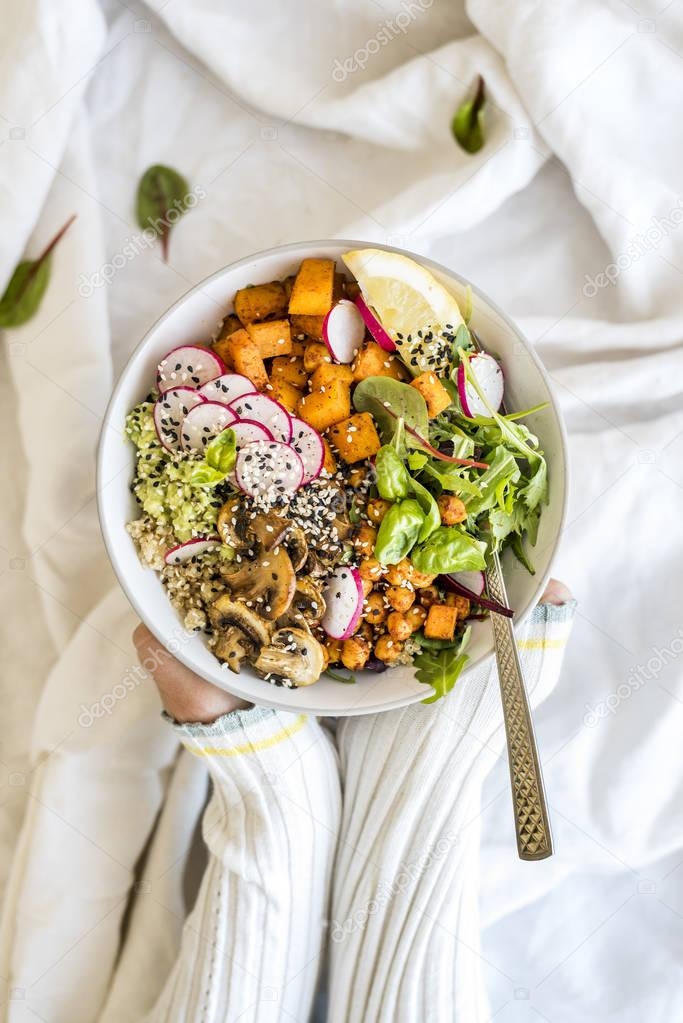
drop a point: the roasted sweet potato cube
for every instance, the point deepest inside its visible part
(433, 392)
(356, 438)
(284, 392)
(441, 621)
(261, 302)
(327, 372)
(298, 347)
(313, 289)
(291, 369)
(373, 361)
(311, 326)
(245, 358)
(330, 463)
(314, 356)
(274, 337)
(323, 409)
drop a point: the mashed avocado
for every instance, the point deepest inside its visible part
(162, 481)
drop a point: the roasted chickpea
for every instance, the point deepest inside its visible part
(400, 597)
(377, 509)
(357, 477)
(421, 579)
(428, 595)
(452, 509)
(416, 617)
(461, 604)
(401, 573)
(355, 653)
(333, 650)
(375, 611)
(370, 568)
(388, 649)
(398, 626)
(365, 539)
(363, 630)
(368, 586)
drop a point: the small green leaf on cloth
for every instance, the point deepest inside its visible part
(468, 123)
(28, 284)
(161, 190)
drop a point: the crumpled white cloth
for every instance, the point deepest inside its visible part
(582, 152)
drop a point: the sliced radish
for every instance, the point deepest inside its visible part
(343, 331)
(489, 376)
(261, 409)
(269, 471)
(227, 388)
(203, 423)
(169, 412)
(473, 581)
(309, 446)
(190, 549)
(343, 602)
(375, 327)
(247, 431)
(188, 366)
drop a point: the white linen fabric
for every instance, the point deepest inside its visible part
(582, 153)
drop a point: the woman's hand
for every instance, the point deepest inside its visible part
(185, 696)
(188, 698)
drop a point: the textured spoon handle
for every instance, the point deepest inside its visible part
(532, 823)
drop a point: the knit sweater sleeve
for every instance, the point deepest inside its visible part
(251, 945)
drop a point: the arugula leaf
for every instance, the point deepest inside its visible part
(393, 481)
(536, 490)
(441, 669)
(417, 460)
(398, 531)
(349, 679)
(377, 395)
(448, 549)
(517, 546)
(450, 477)
(502, 471)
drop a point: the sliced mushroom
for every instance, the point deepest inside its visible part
(296, 546)
(240, 632)
(268, 582)
(270, 529)
(314, 566)
(233, 524)
(308, 599)
(293, 655)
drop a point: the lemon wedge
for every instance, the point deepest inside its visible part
(405, 296)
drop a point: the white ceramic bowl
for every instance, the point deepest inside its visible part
(194, 317)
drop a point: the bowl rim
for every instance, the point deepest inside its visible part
(293, 248)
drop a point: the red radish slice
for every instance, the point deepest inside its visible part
(203, 423)
(489, 376)
(264, 410)
(375, 327)
(169, 412)
(269, 471)
(247, 431)
(473, 581)
(226, 388)
(343, 602)
(188, 366)
(309, 446)
(343, 331)
(190, 549)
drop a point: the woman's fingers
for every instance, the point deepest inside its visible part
(556, 593)
(186, 696)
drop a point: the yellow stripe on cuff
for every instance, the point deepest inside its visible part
(251, 747)
(541, 644)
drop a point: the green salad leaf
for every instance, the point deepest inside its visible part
(468, 123)
(221, 452)
(393, 480)
(429, 508)
(502, 471)
(28, 284)
(441, 668)
(161, 190)
(399, 531)
(448, 549)
(382, 396)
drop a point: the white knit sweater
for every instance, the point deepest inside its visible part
(379, 889)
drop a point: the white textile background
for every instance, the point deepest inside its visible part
(583, 150)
